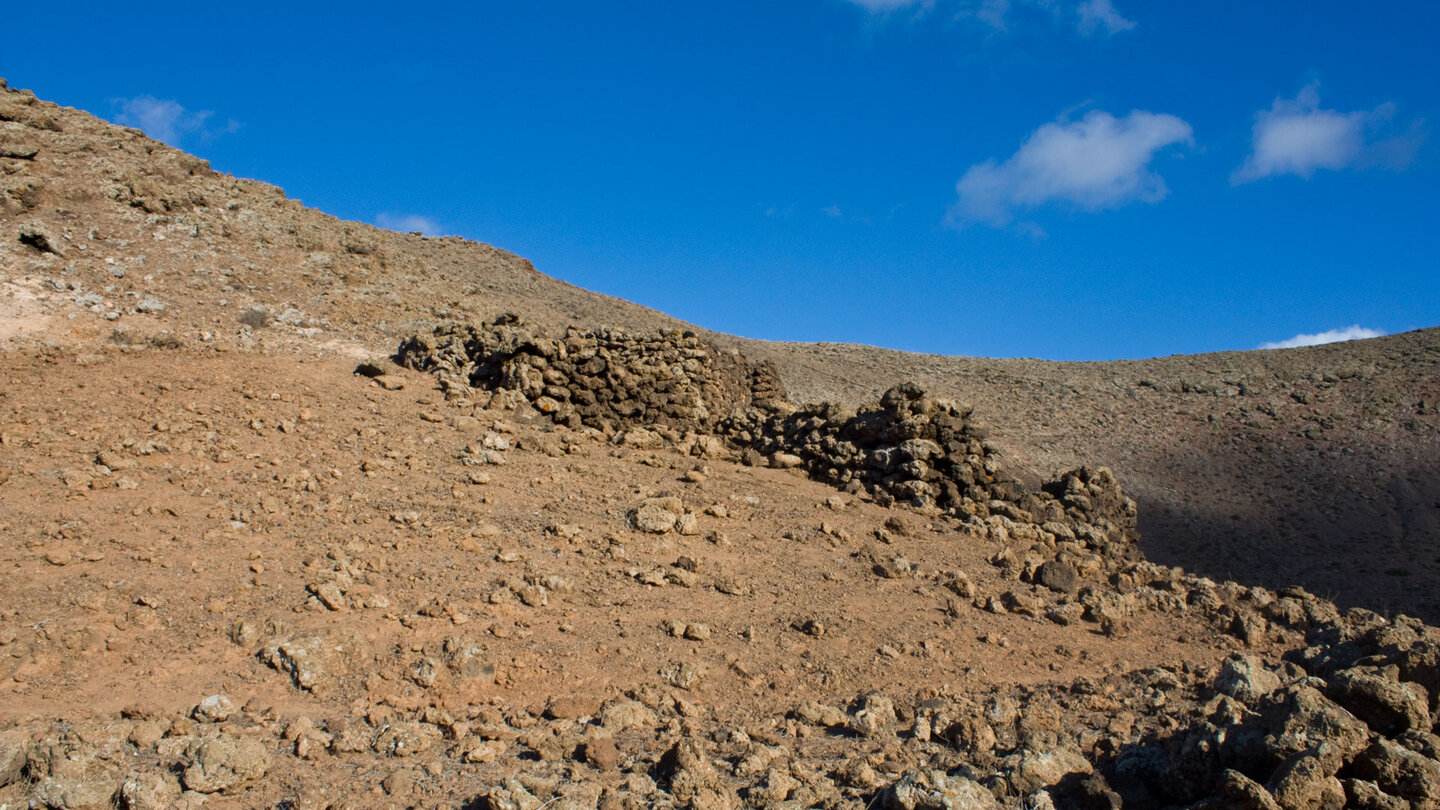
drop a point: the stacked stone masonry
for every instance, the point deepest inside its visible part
(908, 447)
(603, 379)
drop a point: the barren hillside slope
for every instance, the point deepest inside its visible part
(255, 561)
(1317, 465)
(1313, 465)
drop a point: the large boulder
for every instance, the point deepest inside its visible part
(1303, 719)
(1401, 772)
(1388, 705)
(78, 768)
(225, 764)
(935, 790)
(1246, 678)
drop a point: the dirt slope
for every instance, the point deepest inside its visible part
(243, 575)
(1295, 465)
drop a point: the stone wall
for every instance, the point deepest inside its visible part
(606, 379)
(908, 447)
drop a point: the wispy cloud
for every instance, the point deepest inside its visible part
(1356, 332)
(836, 213)
(1296, 136)
(1088, 16)
(1095, 163)
(777, 210)
(408, 223)
(992, 13)
(1100, 16)
(883, 6)
(167, 120)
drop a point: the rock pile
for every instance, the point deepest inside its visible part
(925, 451)
(908, 447)
(135, 763)
(1348, 721)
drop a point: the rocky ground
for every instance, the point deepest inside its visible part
(257, 562)
(1315, 465)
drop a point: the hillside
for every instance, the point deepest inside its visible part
(1312, 465)
(245, 575)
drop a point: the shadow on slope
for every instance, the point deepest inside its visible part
(1351, 530)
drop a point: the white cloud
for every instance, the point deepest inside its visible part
(832, 211)
(408, 223)
(1295, 136)
(1095, 163)
(1100, 16)
(166, 119)
(1356, 332)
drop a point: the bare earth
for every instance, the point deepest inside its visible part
(408, 599)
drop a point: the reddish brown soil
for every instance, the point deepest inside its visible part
(186, 458)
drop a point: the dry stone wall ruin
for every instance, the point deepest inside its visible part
(605, 379)
(908, 446)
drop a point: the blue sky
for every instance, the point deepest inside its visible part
(1067, 179)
